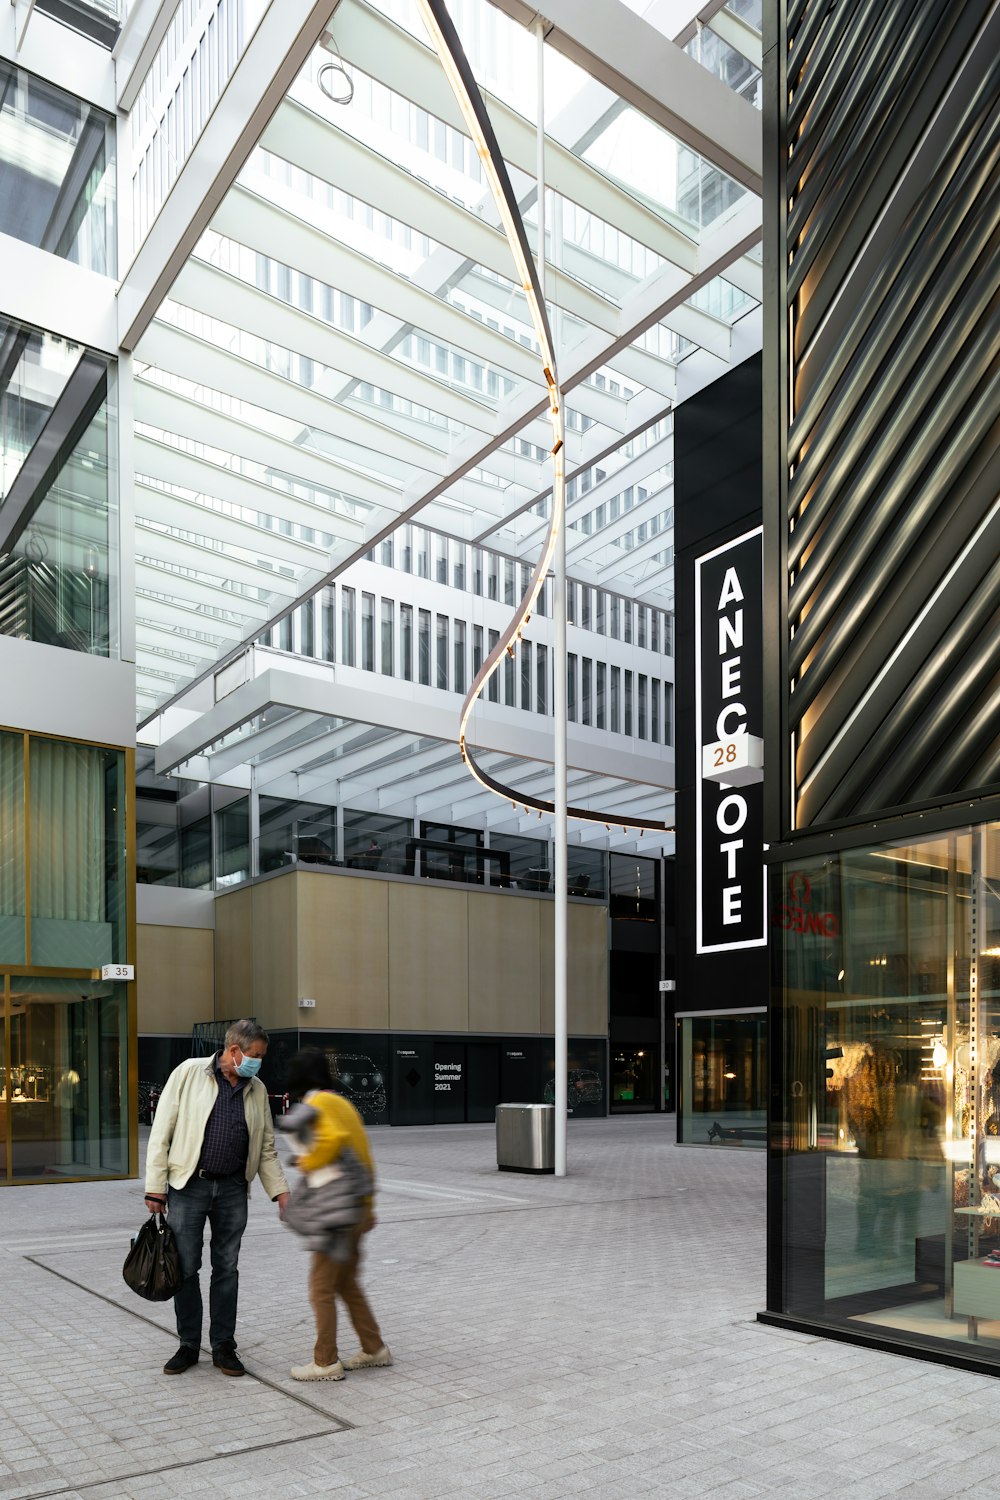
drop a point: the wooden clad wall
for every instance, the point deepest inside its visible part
(176, 977)
(381, 954)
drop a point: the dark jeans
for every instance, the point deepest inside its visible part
(224, 1205)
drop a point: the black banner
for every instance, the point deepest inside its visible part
(729, 713)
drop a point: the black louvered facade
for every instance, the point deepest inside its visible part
(882, 510)
(882, 671)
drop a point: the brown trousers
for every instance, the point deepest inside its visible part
(328, 1280)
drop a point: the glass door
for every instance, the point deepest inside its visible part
(65, 1072)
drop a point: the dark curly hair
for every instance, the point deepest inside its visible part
(308, 1069)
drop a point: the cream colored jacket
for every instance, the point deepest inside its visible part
(178, 1130)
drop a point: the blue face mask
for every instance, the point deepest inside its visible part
(249, 1067)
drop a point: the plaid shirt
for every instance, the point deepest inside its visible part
(227, 1141)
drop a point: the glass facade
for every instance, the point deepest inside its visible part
(58, 502)
(64, 1037)
(722, 1072)
(57, 171)
(888, 1127)
(65, 1087)
(232, 844)
(62, 869)
(295, 833)
(77, 855)
(98, 19)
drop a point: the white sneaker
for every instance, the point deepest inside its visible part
(362, 1361)
(317, 1372)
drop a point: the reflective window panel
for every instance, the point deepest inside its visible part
(888, 1124)
(722, 1069)
(98, 19)
(57, 171)
(232, 844)
(295, 833)
(374, 841)
(67, 1106)
(77, 848)
(13, 864)
(58, 559)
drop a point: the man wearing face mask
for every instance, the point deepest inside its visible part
(212, 1135)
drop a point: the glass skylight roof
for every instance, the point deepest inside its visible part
(347, 347)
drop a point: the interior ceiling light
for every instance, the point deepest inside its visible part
(463, 85)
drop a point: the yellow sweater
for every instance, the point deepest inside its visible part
(338, 1125)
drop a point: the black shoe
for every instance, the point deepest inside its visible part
(181, 1361)
(227, 1360)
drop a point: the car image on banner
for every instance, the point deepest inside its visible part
(583, 1086)
(360, 1081)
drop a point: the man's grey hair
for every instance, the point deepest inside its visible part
(243, 1034)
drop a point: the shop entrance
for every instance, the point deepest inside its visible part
(63, 1079)
(466, 1082)
(633, 1078)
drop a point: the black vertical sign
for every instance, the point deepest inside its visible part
(729, 703)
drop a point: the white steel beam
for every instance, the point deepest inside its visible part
(680, 19)
(269, 65)
(155, 576)
(583, 548)
(54, 293)
(306, 140)
(229, 531)
(263, 222)
(627, 475)
(346, 777)
(169, 412)
(638, 63)
(211, 562)
(177, 616)
(183, 647)
(217, 294)
(411, 69)
(613, 567)
(646, 306)
(347, 693)
(143, 29)
(740, 35)
(173, 465)
(264, 226)
(257, 743)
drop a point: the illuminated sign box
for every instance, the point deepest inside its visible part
(738, 761)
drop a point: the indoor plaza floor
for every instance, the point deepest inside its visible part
(592, 1336)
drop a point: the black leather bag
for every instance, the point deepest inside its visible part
(153, 1265)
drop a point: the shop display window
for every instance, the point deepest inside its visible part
(64, 1031)
(722, 1067)
(888, 1134)
(64, 1078)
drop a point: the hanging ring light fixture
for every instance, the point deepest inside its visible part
(449, 48)
(333, 78)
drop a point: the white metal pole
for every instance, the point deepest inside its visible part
(559, 794)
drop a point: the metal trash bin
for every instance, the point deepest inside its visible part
(526, 1137)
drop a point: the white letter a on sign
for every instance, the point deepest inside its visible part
(731, 591)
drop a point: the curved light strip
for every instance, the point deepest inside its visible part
(459, 74)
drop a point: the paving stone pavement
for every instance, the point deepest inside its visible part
(591, 1337)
